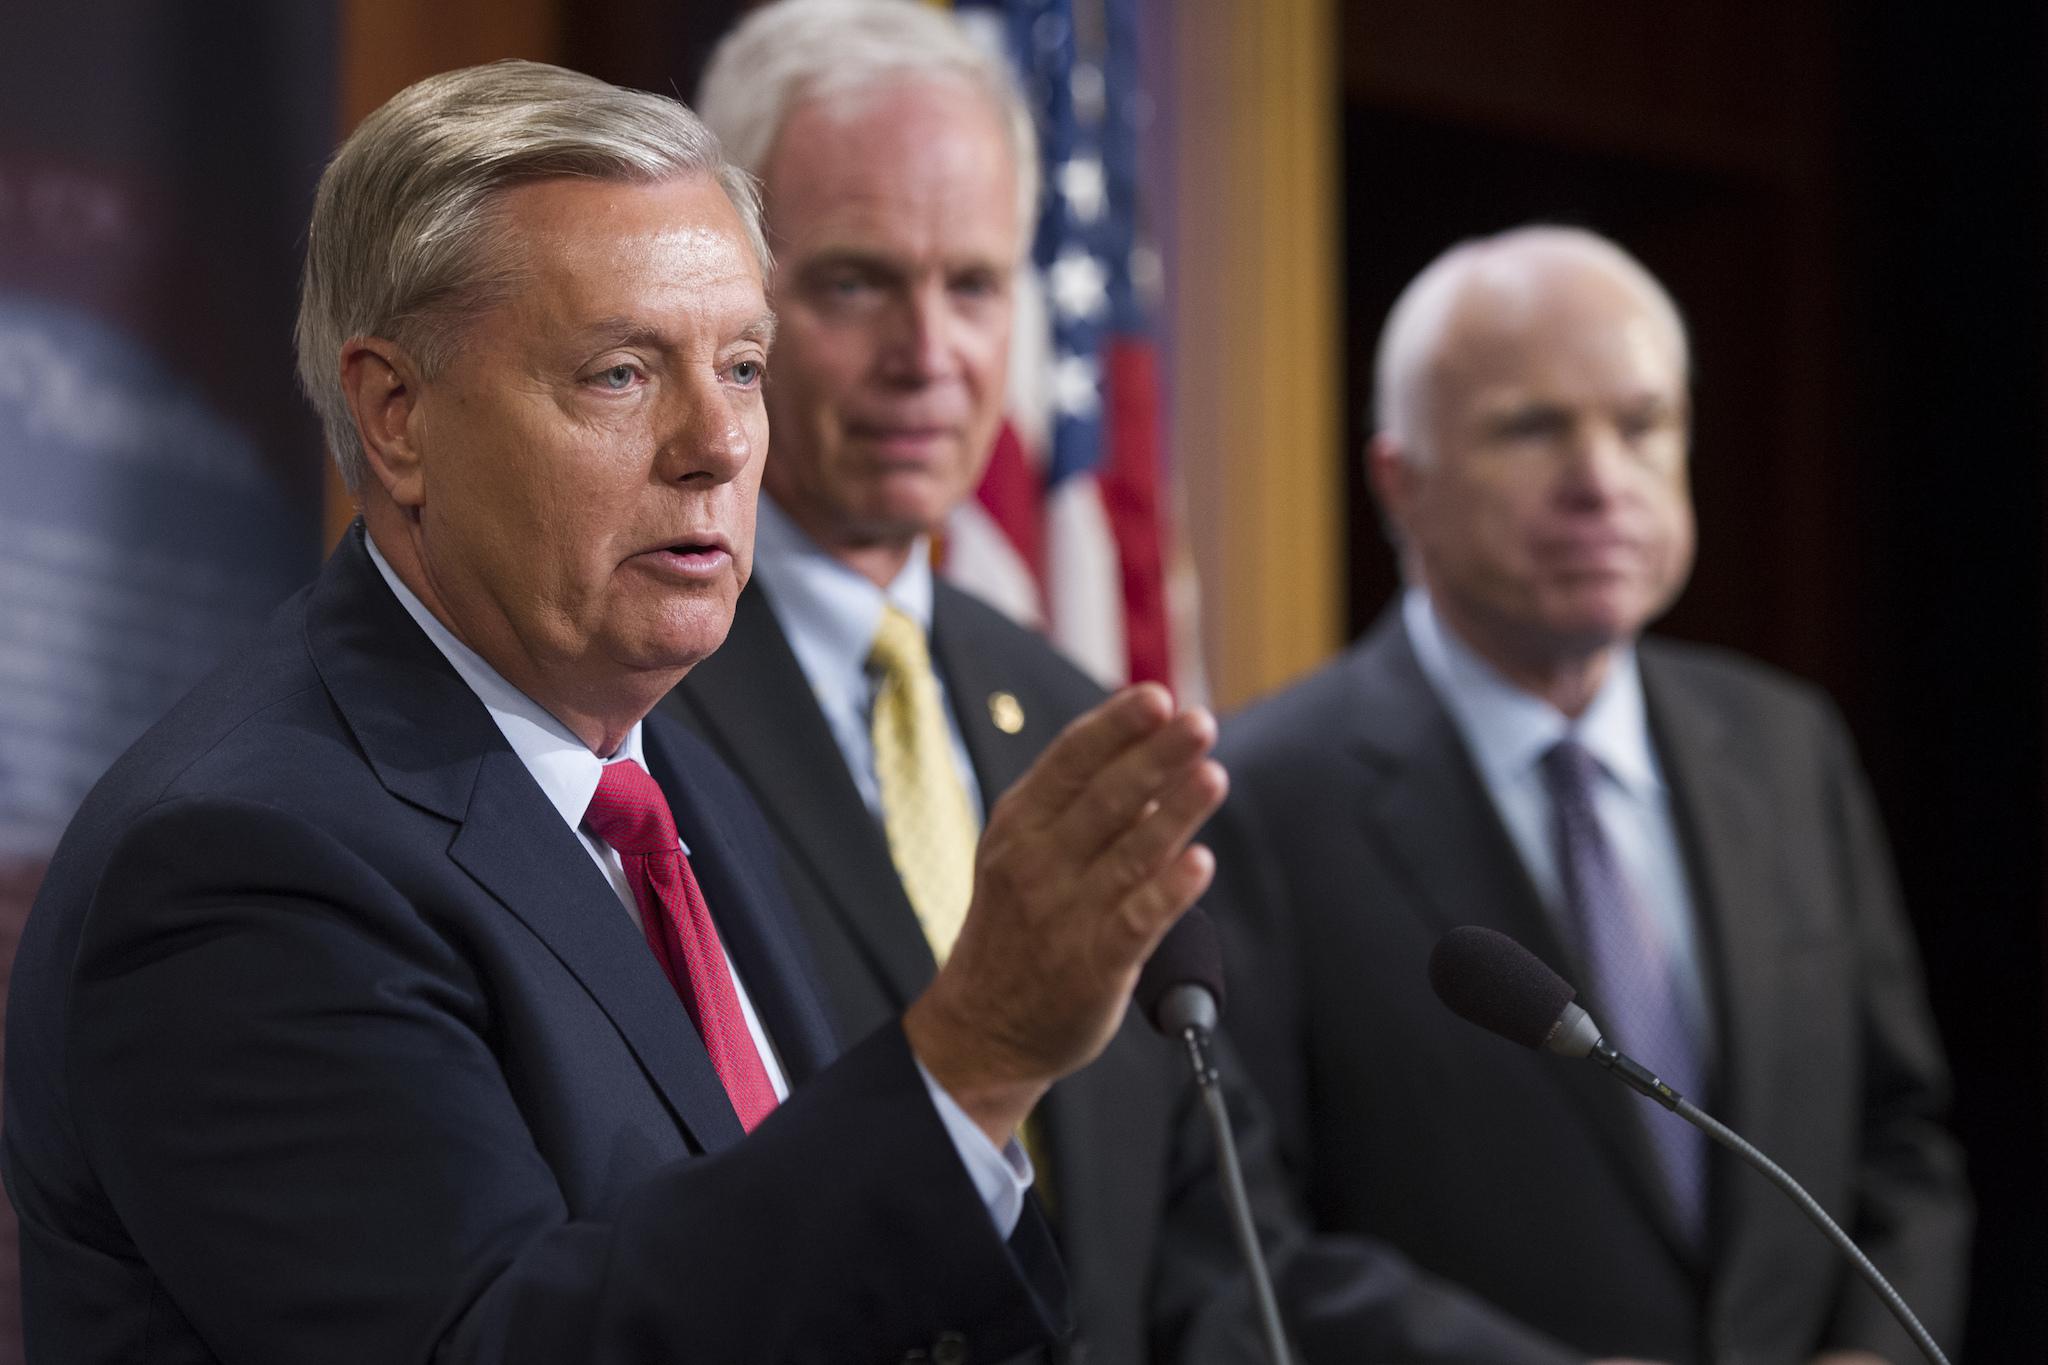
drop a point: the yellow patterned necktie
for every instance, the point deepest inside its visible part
(925, 810)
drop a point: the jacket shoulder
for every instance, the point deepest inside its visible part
(1302, 719)
(1741, 688)
(260, 727)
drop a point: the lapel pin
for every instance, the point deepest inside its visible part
(1006, 711)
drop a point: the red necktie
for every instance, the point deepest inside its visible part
(630, 813)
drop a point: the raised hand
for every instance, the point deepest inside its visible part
(1083, 866)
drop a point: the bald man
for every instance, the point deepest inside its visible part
(1684, 834)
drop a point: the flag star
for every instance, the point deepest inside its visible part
(1078, 284)
(1074, 386)
(1084, 187)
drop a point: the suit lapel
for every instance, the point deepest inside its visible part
(1728, 844)
(749, 916)
(515, 844)
(434, 745)
(975, 680)
(756, 708)
(1424, 798)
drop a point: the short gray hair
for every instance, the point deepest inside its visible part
(406, 242)
(794, 51)
(1415, 326)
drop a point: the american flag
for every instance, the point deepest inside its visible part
(1069, 530)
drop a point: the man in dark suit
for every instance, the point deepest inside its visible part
(1683, 833)
(896, 162)
(379, 1005)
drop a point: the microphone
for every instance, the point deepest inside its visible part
(1491, 980)
(1180, 990)
(1181, 984)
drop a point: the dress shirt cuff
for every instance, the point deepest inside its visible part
(1000, 1177)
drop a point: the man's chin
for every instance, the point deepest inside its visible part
(1591, 630)
(1611, 611)
(678, 645)
(906, 505)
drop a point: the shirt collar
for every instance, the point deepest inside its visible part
(834, 610)
(562, 764)
(1508, 729)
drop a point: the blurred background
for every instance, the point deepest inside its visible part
(1850, 202)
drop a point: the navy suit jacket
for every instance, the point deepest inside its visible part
(327, 1041)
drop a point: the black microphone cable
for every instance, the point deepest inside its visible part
(1488, 978)
(1180, 991)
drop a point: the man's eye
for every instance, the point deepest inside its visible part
(1531, 425)
(1637, 426)
(616, 378)
(747, 373)
(846, 286)
(977, 284)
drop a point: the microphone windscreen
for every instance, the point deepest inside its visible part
(1488, 978)
(1189, 955)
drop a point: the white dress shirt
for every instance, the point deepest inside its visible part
(568, 773)
(1507, 731)
(830, 614)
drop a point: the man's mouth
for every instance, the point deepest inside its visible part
(905, 441)
(691, 558)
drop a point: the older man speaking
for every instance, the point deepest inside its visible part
(402, 995)
(1685, 833)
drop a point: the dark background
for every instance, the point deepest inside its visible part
(1848, 204)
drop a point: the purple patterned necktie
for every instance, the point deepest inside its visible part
(1630, 973)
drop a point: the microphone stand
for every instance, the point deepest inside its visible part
(1640, 1079)
(1190, 1011)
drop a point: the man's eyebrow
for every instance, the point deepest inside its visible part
(851, 257)
(623, 331)
(605, 333)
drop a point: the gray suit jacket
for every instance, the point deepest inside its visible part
(1154, 1271)
(1528, 1178)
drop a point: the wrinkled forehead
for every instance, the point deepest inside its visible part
(684, 227)
(929, 140)
(634, 258)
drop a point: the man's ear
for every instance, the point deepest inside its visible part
(1393, 478)
(382, 385)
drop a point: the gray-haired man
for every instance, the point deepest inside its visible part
(876, 712)
(401, 996)
(1686, 833)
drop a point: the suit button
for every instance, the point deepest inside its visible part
(949, 1349)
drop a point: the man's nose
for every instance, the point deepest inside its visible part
(920, 345)
(1596, 463)
(706, 436)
